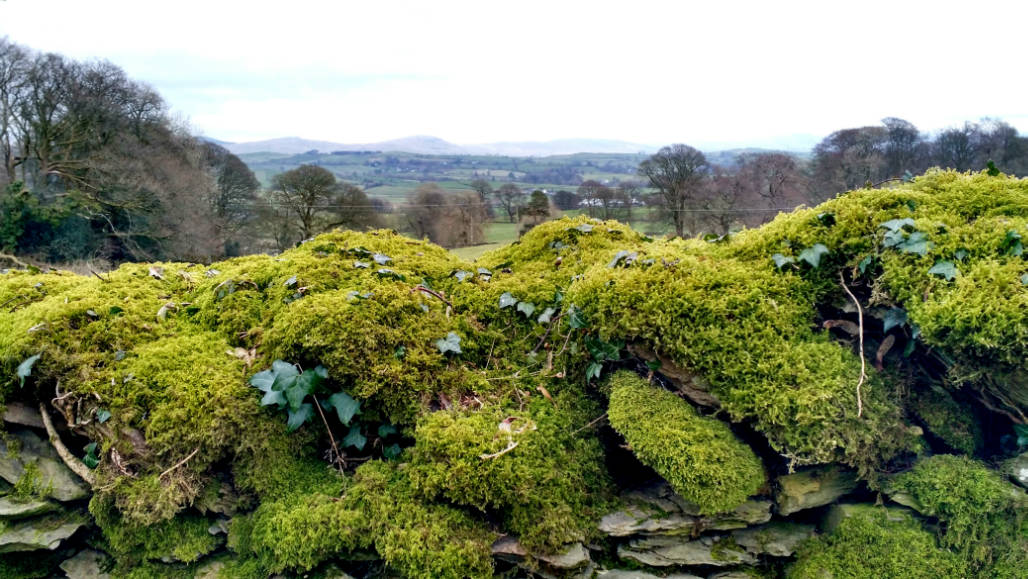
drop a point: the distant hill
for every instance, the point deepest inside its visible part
(429, 145)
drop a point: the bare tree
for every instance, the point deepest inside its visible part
(677, 173)
(450, 220)
(509, 196)
(317, 202)
(485, 193)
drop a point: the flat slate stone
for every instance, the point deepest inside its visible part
(87, 564)
(54, 476)
(813, 487)
(12, 508)
(37, 534)
(656, 509)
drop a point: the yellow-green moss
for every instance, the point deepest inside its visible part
(953, 423)
(700, 457)
(984, 517)
(380, 510)
(872, 544)
(530, 464)
(184, 538)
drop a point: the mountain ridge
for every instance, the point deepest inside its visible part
(427, 144)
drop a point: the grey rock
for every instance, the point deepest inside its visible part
(634, 574)
(23, 414)
(778, 539)
(509, 549)
(209, 570)
(1017, 469)
(840, 512)
(574, 557)
(665, 551)
(87, 564)
(23, 447)
(733, 575)
(813, 487)
(14, 508)
(37, 534)
(656, 509)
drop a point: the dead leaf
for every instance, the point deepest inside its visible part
(546, 393)
(845, 325)
(156, 272)
(162, 313)
(883, 350)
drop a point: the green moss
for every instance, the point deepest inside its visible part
(700, 457)
(184, 538)
(748, 331)
(984, 517)
(953, 423)
(530, 464)
(873, 544)
(380, 510)
(31, 565)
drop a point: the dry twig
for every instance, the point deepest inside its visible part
(76, 465)
(860, 326)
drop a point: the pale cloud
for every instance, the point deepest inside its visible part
(645, 71)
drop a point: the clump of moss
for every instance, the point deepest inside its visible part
(381, 510)
(984, 517)
(184, 538)
(953, 423)
(870, 543)
(748, 331)
(31, 565)
(531, 465)
(700, 457)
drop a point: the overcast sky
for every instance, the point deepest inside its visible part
(718, 73)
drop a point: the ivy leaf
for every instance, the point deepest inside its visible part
(461, 275)
(960, 254)
(390, 274)
(1021, 430)
(898, 224)
(576, 319)
(273, 397)
(781, 260)
(865, 263)
(593, 370)
(345, 405)
(91, 459)
(102, 415)
(826, 219)
(354, 438)
(601, 350)
(1024, 279)
(451, 343)
(1012, 244)
(526, 308)
(115, 310)
(944, 269)
(507, 300)
(400, 352)
(544, 318)
(654, 365)
(813, 255)
(917, 243)
(263, 380)
(392, 451)
(894, 317)
(386, 430)
(285, 374)
(991, 170)
(25, 368)
(301, 415)
(585, 228)
(290, 282)
(627, 256)
(358, 264)
(485, 274)
(893, 238)
(381, 259)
